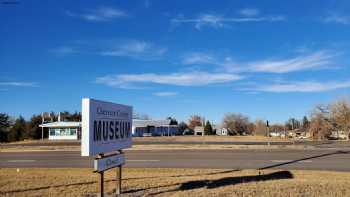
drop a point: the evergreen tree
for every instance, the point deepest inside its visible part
(173, 121)
(17, 132)
(182, 127)
(34, 131)
(208, 129)
(306, 123)
(4, 126)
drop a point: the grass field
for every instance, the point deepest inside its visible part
(69, 145)
(175, 182)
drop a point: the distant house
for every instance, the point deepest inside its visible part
(338, 135)
(298, 133)
(188, 131)
(275, 134)
(63, 130)
(220, 130)
(142, 128)
(199, 130)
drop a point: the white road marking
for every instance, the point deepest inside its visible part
(20, 161)
(139, 160)
(285, 161)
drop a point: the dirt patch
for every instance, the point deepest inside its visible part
(175, 182)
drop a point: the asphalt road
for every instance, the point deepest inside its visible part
(321, 159)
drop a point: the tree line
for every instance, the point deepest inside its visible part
(321, 122)
(17, 129)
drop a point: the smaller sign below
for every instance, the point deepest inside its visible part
(106, 163)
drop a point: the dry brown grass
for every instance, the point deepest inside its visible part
(175, 182)
(64, 145)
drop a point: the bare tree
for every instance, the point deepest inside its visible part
(260, 127)
(194, 121)
(277, 127)
(340, 115)
(321, 125)
(292, 124)
(236, 124)
(251, 128)
(305, 123)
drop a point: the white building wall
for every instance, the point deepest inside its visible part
(71, 137)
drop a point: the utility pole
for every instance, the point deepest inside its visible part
(267, 129)
(42, 128)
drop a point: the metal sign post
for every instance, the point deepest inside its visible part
(100, 178)
(100, 183)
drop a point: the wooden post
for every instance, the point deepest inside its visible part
(118, 189)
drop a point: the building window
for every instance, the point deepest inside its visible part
(73, 131)
(63, 132)
(52, 132)
(57, 132)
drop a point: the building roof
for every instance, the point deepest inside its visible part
(135, 122)
(145, 123)
(61, 124)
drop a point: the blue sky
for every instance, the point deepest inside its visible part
(265, 59)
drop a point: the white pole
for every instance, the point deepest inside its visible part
(42, 128)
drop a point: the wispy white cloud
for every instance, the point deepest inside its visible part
(305, 62)
(219, 21)
(176, 79)
(19, 84)
(64, 50)
(165, 94)
(100, 14)
(302, 86)
(311, 60)
(345, 20)
(198, 58)
(249, 12)
(136, 49)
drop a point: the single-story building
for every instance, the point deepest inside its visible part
(142, 128)
(338, 135)
(72, 130)
(221, 131)
(63, 130)
(199, 130)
